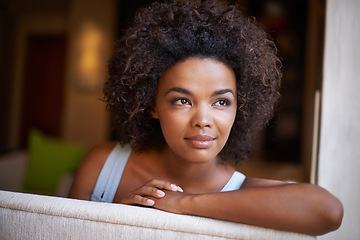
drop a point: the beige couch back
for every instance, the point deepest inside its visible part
(30, 216)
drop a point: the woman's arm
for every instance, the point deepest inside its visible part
(301, 208)
(89, 170)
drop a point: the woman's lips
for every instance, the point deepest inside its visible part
(200, 141)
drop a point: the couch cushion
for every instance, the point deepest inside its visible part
(49, 160)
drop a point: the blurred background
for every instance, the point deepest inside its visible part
(53, 60)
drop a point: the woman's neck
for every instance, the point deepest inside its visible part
(192, 175)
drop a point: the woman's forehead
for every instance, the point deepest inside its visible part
(199, 72)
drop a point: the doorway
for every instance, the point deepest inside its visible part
(43, 86)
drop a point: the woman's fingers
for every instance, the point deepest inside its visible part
(149, 191)
(161, 184)
(138, 199)
(146, 195)
(143, 195)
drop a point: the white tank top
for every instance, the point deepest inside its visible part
(111, 173)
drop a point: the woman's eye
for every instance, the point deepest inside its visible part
(181, 101)
(184, 101)
(222, 102)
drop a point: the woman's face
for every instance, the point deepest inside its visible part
(196, 107)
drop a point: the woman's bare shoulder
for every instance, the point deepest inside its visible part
(89, 170)
(100, 152)
(96, 157)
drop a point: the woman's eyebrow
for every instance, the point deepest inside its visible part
(223, 91)
(180, 90)
(187, 92)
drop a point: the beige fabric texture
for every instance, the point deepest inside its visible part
(30, 216)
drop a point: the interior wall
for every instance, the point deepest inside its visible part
(6, 26)
(339, 152)
(85, 118)
(312, 80)
(25, 25)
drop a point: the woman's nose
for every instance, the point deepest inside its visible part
(202, 117)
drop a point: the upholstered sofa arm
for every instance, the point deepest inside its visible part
(30, 216)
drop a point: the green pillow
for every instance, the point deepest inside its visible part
(49, 159)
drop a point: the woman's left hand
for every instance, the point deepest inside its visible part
(149, 193)
(174, 202)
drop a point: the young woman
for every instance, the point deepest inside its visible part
(190, 85)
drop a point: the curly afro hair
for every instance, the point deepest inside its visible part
(166, 33)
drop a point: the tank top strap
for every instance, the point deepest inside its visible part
(235, 182)
(111, 173)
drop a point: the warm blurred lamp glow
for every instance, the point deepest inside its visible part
(90, 63)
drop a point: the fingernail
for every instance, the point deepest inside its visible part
(180, 189)
(174, 187)
(160, 193)
(150, 202)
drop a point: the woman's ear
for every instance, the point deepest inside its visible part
(154, 113)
